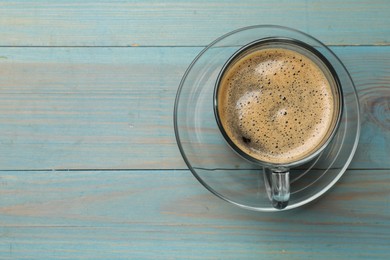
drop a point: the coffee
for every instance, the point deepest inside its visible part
(277, 104)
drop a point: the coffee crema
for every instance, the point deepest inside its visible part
(276, 105)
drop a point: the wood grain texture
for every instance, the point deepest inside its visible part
(89, 166)
(169, 215)
(112, 108)
(190, 23)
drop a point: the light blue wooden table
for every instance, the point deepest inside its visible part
(89, 163)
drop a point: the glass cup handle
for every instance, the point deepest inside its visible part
(278, 187)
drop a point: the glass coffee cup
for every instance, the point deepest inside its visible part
(278, 103)
(238, 178)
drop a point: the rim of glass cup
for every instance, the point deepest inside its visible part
(210, 189)
(327, 65)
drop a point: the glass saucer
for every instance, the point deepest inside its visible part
(217, 166)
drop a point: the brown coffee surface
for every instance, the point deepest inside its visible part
(276, 105)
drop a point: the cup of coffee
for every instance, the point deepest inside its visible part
(278, 103)
(267, 118)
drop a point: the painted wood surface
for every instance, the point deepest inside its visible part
(112, 108)
(89, 167)
(168, 215)
(173, 23)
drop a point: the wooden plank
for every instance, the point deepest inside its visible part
(112, 108)
(169, 215)
(172, 23)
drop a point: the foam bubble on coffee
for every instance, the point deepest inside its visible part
(276, 105)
